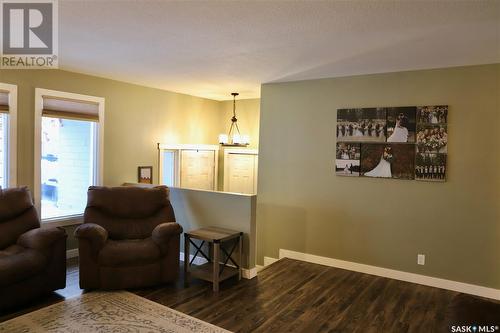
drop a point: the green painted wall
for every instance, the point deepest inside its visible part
(303, 206)
(136, 118)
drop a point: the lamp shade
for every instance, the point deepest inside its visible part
(223, 138)
(237, 139)
(234, 137)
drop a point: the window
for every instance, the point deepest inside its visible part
(8, 112)
(69, 153)
(4, 150)
(169, 168)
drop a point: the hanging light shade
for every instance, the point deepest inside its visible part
(234, 138)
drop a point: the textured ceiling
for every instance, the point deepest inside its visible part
(212, 48)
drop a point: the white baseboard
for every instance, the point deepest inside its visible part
(249, 273)
(73, 253)
(268, 261)
(391, 273)
(245, 272)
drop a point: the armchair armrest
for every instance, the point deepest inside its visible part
(94, 233)
(162, 233)
(41, 238)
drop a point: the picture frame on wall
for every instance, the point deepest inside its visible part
(145, 175)
(388, 160)
(361, 125)
(403, 142)
(347, 161)
(401, 124)
(432, 143)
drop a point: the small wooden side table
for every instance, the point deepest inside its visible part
(214, 270)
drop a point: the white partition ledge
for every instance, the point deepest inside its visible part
(195, 209)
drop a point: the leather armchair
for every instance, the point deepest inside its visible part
(129, 238)
(32, 259)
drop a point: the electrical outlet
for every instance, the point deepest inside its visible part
(421, 259)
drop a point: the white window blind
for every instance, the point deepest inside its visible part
(4, 101)
(70, 109)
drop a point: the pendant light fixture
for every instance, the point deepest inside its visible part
(234, 137)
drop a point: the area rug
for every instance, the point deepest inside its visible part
(104, 312)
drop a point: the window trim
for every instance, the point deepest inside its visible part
(177, 165)
(12, 135)
(39, 93)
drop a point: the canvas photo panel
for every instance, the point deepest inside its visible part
(430, 167)
(432, 138)
(401, 124)
(361, 125)
(433, 114)
(388, 160)
(347, 159)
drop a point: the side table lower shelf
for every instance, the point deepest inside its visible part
(206, 271)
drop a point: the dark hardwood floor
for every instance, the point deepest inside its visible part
(294, 296)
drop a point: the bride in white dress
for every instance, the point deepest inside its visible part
(346, 169)
(383, 169)
(434, 119)
(400, 133)
(357, 131)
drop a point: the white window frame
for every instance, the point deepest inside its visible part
(177, 149)
(12, 134)
(39, 94)
(244, 151)
(177, 165)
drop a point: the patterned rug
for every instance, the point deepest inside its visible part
(103, 312)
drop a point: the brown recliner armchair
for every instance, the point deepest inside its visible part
(129, 238)
(32, 259)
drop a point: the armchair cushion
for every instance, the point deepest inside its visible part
(17, 214)
(128, 202)
(18, 263)
(94, 233)
(41, 238)
(129, 252)
(14, 201)
(128, 212)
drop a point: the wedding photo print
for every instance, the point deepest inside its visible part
(401, 124)
(409, 142)
(347, 159)
(432, 139)
(361, 125)
(436, 114)
(430, 167)
(383, 160)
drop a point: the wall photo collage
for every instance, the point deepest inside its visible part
(393, 142)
